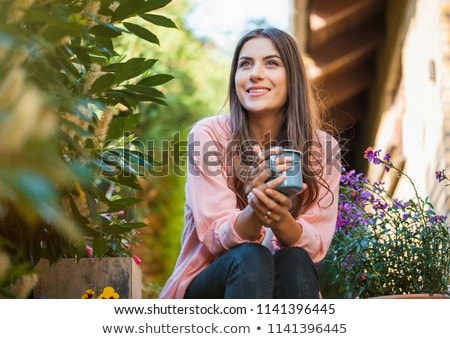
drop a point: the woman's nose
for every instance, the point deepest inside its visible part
(257, 73)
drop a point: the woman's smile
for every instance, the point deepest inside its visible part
(258, 91)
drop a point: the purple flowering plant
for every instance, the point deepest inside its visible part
(384, 245)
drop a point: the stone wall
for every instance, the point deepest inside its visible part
(69, 279)
(416, 127)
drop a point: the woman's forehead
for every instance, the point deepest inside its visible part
(258, 47)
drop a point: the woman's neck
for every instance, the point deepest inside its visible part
(265, 129)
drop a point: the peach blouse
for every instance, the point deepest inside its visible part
(211, 209)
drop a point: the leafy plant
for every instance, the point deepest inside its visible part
(200, 73)
(384, 245)
(69, 102)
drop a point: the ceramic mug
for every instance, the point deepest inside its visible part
(293, 183)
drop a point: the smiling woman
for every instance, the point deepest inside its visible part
(243, 238)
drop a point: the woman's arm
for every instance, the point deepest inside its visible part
(212, 203)
(314, 228)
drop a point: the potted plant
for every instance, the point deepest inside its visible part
(69, 105)
(384, 246)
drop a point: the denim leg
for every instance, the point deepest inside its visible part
(295, 274)
(243, 272)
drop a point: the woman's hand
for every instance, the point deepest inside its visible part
(273, 210)
(268, 204)
(261, 171)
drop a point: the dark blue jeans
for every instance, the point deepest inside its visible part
(250, 271)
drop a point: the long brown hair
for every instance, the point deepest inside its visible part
(298, 128)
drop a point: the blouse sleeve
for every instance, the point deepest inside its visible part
(319, 220)
(211, 203)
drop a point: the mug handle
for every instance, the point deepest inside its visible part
(273, 165)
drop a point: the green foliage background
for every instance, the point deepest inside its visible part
(94, 95)
(198, 89)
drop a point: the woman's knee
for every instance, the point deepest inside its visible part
(297, 254)
(292, 259)
(296, 274)
(252, 254)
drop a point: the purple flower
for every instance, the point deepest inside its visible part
(441, 176)
(372, 156)
(400, 204)
(438, 218)
(373, 229)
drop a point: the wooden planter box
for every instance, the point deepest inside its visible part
(69, 279)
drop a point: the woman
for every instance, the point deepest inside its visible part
(243, 238)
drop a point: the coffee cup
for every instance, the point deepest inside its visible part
(293, 183)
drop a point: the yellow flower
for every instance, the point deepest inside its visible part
(89, 294)
(109, 293)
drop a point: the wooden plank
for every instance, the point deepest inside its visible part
(331, 18)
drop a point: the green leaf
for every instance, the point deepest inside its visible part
(82, 55)
(115, 66)
(119, 96)
(137, 158)
(106, 170)
(91, 201)
(132, 68)
(106, 30)
(150, 97)
(116, 158)
(136, 224)
(149, 92)
(129, 181)
(154, 4)
(156, 80)
(100, 246)
(129, 8)
(122, 124)
(128, 169)
(102, 83)
(132, 157)
(104, 48)
(117, 229)
(119, 204)
(142, 32)
(126, 9)
(158, 20)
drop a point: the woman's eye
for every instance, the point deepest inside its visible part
(244, 64)
(272, 63)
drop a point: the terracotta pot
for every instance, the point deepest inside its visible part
(414, 296)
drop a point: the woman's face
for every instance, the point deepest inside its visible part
(260, 79)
